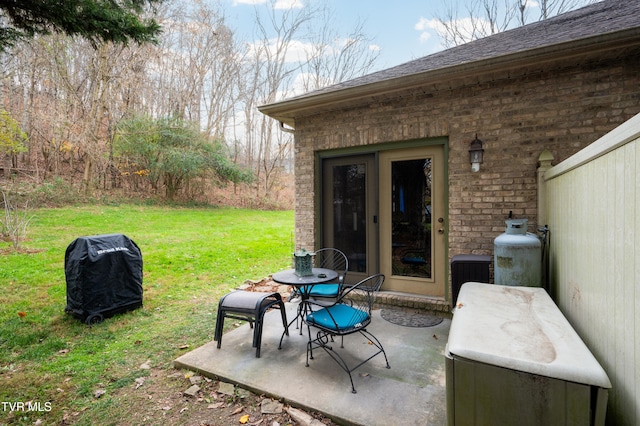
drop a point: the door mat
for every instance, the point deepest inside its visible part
(409, 317)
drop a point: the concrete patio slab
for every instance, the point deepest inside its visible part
(411, 392)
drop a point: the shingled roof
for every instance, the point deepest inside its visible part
(608, 20)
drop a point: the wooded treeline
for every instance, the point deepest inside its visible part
(71, 97)
(178, 117)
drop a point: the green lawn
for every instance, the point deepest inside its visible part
(191, 257)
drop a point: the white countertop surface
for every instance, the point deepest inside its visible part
(520, 328)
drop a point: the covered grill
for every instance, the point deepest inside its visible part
(104, 277)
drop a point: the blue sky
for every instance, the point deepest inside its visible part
(402, 29)
(390, 24)
(399, 30)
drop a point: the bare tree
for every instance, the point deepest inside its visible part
(335, 57)
(476, 19)
(69, 94)
(296, 51)
(271, 69)
(549, 8)
(88, 80)
(473, 19)
(72, 93)
(221, 77)
(195, 68)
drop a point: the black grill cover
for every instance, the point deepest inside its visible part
(104, 276)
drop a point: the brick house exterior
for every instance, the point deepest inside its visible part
(556, 85)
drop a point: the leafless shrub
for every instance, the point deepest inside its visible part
(14, 222)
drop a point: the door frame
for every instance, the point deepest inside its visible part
(441, 141)
(437, 284)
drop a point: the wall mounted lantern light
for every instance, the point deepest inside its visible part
(475, 154)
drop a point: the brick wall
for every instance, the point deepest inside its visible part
(517, 113)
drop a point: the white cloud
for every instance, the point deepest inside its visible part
(296, 51)
(250, 2)
(465, 29)
(422, 24)
(342, 42)
(298, 87)
(424, 36)
(278, 5)
(301, 51)
(288, 4)
(425, 26)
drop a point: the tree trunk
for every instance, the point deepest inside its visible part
(86, 178)
(7, 166)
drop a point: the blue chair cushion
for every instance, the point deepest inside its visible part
(325, 290)
(414, 260)
(338, 317)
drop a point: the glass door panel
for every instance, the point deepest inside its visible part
(349, 214)
(412, 220)
(411, 217)
(348, 218)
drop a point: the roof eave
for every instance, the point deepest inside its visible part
(287, 110)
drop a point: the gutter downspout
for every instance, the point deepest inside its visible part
(286, 129)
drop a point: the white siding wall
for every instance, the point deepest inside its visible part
(593, 201)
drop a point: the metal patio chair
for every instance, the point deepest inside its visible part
(329, 258)
(350, 314)
(326, 293)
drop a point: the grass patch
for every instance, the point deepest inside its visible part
(191, 257)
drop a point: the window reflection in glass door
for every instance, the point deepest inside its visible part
(349, 215)
(411, 240)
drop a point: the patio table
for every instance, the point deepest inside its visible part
(318, 276)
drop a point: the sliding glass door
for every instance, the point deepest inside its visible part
(386, 211)
(349, 218)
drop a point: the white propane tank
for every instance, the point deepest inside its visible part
(517, 256)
